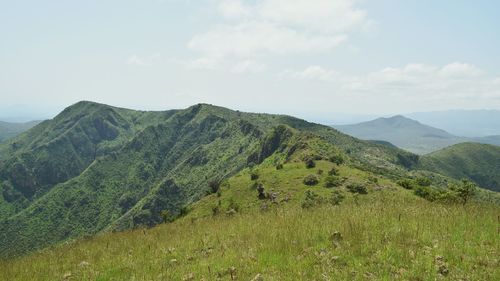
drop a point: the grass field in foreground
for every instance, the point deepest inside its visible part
(388, 234)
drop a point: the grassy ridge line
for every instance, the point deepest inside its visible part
(389, 234)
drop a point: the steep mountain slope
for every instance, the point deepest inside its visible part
(402, 132)
(96, 167)
(10, 130)
(478, 162)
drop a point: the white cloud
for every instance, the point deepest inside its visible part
(460, 70)
(319, 15)
(416, 82)
(252, 38)
(234, 9)
(279, 27)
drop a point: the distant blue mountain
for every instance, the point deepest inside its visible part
(409, 134)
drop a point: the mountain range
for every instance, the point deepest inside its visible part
(409, 134)
(97, 168)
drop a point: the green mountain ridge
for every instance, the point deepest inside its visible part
(96, 168)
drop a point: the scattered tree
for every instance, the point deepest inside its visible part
(465, 190)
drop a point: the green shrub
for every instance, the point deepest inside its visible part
(357, 188)
(464, 191)
(337, 197)
(333, 181)
(311, 199)
(254, 175)
(337, 159)
(373, 179)
(448, 196)
(233, 205)
(214, 186)
(311, 180)
(279, 166)
(406, 184)
(423, 181)
(334, 171)
(262, 194)
(310, 163)
(184, 210)
(425, 192)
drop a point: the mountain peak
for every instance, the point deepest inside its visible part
(403, 132)
(399, 118)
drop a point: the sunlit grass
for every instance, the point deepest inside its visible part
(386, 235)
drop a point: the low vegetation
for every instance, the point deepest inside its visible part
(305, 233)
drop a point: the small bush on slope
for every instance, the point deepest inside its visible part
(311, 180)
(357, 188)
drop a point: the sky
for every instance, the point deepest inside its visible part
(315, 59)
